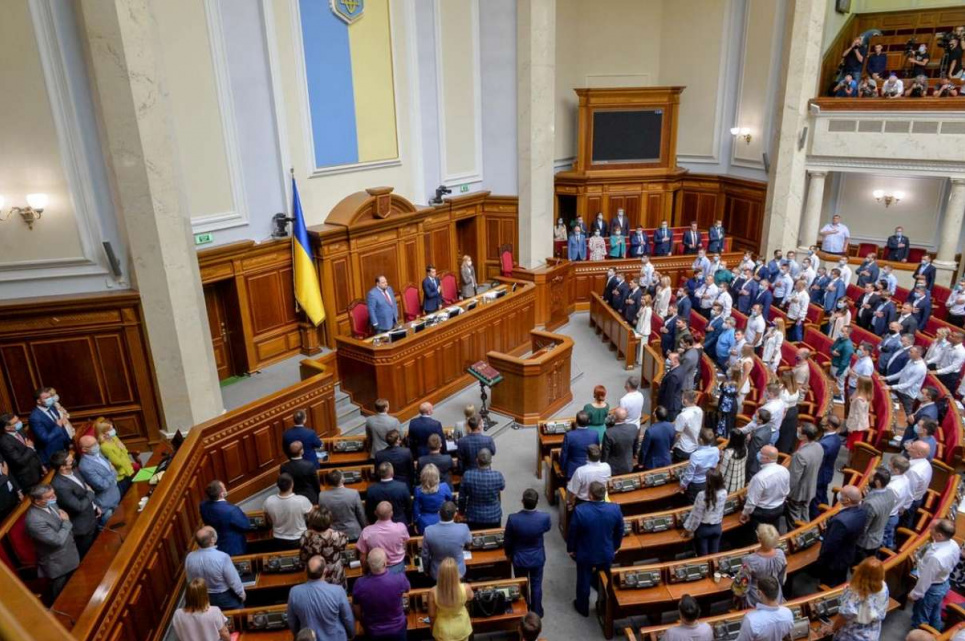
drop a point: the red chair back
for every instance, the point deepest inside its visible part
(698, 322)
(867, 248)
(915, 254)
(902, 294)
(506, 260)
(740, 320)
(22, 548)
(777, 312)
(854, 292)
(358, 314)
(450, 293)
(815, 314)
(861, 335)
(939, 296)
(410, 302)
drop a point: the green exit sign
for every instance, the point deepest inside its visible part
(203, 239)
(463, 189)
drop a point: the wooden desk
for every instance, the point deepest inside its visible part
(534, 387)
(431, 365)
(613, 329)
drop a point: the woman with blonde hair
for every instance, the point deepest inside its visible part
(791, 396)
(864, 604)
(429, 497)
(938, 346)
(773, 339)
(468, 412)
(767, 560)
(859, 420)
(644, 323)
(468, 277)
(598, 411)
(661, 299)
(198, 620)
(447, 605)
(744, 366)
(114, 450)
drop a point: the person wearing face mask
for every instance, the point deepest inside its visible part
(797, 310)
(559, 232)
(227, 519)
(841, 351)
(774, 266)
(76, 498)
(618, 243)
(883, 314)
(47, 425)
(764, 299)
(897, 246)
(662, 240)
(783, 285)
(113, 449)
(868, 271)
(907, 320)
(845, 270)
(840, 317)
(808, 272)
(927, 271)
(53, 535)
(834, 291)
(920, 301)
(956, 305)
(100, 475)
(917, 61)
(19, 453)
(597, 246)
(576, 244)
(754, 330)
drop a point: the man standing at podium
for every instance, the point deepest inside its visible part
(431, 295)
(383, 310)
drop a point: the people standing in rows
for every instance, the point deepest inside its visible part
(703, 523)
(303, 474)
(733, 462)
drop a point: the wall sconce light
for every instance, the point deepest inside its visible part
(31, 213)
(888, 198)
(742, 132)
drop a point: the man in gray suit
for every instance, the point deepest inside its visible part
(804, 475)
(100, 475)
(689, 362)
(620, 444)
(52, 533)
(380, 424)
(345, 504)
(445, 539)
(878, 504)
(76, 498)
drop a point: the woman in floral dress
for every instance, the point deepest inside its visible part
(864, 604)
(321, 539)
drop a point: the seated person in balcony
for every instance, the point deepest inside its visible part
(286, 512)
(18, 452)
(639, 244)
(320, 606)
(596, 246)
(52, 533)
(345, 504)
(618, 243)
(198, 619)
(76, 498)
(225, 589)
(228, 520)
(431, 292)
(916, 61)
(847, 87)
(955, 56)
(918, 88)
(896, 247)
(395, 493)
(576, 245)
(100, 475)
(893, 87)
(878, 63)
(853, 57)
(662, 240)
(945, 88)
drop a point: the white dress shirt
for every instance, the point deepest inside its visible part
(956, 303)
(809, 275)
(579, 485)
(951, 360)
(910, 378)
(687, 425)
(727, 302)
(863, 367)
(935, 566)
(754, 331)
(900, 486)
(919, 476)
(935, 351)
(772, 350)
(845, 274)
(835, 237)
(797, 307)
(768, 488)
(708, 294)
(632, 402)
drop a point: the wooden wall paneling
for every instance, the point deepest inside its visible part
(594, 205)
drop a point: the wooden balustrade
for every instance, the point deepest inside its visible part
(614, 329)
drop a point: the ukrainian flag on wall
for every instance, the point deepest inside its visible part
(307, 290)
(348, 68)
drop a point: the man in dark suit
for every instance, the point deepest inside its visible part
(868, 271)
(764, 298)
(632, 304)
(227, 519)
(684, 305)
(689, 361)
(884, 314)
(890, 343)
(421, 428)
(620, 444)
(639, 244)
(400, 458)
(714, 329)
(303, 473)
(657, 441)
(599, 225)
(75, 498)
(575, 442)
(672, 387)
(435, 456)
(471, 444)
(621, 221)
(388, 489)
(866, 305)
(907, 320)
(927, 410)
(383, 310)
(47, 425)
(841, 538)
(18, 451)
(668, 334)
(746, 288)
(831, 444)
(523, 543)
(611, 282)
(620, 293)
(308, 437)
(662, 240)
(10, 494)
(927, 271)
(431, 294)
(715, 236)
(595, 535)
(897, 246)
(692, 240)
(921, 303)
(51, 530)
(899, 359)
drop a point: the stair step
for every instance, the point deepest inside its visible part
(347, 414)
(342, 404)
(352, 427)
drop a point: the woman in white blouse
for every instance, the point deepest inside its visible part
(841, 317)
(661, 301)
(597, 246)
(938, 346)
(559, 232)
(644, 321)
(703, 522)
(746, 364)
(773, 340)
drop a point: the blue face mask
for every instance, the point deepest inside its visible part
(18, 426)
(52, 505)
(112, 432)
(49, 402)
(56, 398)
(759, 457)
(95, 449)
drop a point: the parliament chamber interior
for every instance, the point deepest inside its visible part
(490, 319)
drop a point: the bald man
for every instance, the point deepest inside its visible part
(841, 538)
(767, 491)
(386, 534)
(225, 589)
(320, 606)
(377, 599)
(421, 428)
(101, 476)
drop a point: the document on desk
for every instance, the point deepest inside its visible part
(467, 555)
(144, 474)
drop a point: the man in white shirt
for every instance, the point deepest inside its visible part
(808, 271)
(900, 486)
(632, 401)
(754, 330)
(949, 366)
(835, 236)
(934, 568)
(767, 491)
(919, 478)
(864, 366)
(845, 271)
(707, 294)
(956, 305)
(909, 380)
(578, 489)
(775, 407)
(701, 263)
(687, 426)
(783, 285)
(725, 299)
(888, 277)
(797, 310)
(285, 513)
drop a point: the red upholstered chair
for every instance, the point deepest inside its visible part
(867, 248)
(358, 315)
(915, 254)
(815, 314)
(740, 320)
(777, 312)
(902, 294)
(506, 260)
(411, 307)
(450, 293)
(854, 292)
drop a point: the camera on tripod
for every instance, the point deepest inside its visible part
(441, 191)
(942, 39)
(910, 47)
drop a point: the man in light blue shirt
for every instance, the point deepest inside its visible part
(704, 458)
(768, 621)
(783, 285)
(726, 342)
(864, 366)
(444, 539)
(101, 476)
(215, 567)
(909, 380)
(889, 278)
(320, 606)
(701, 263)
(835, 236)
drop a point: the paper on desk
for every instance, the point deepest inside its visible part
(144, 474)
(466, 555)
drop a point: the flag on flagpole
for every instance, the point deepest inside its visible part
(307, 291)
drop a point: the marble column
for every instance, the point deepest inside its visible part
(811, 221)
(951, 231)
(137, 129)
(536, 119)
(801, 70)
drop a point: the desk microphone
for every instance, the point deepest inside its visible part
(73, 622)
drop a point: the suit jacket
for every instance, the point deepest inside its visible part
(620, 447)
(657, 442)
(897, 363)
(102, 477)
(77, 502)
(929, 274)
(689, 362)
(921, 306)
(309, 440)
(345, 504)
(8, 495)
(431, 295)
(835, 292)
(671, 389)
(523, 539)
(396, 493)
(764, 298)
(401, 460)
(468, 274)
(595, 533)
(888, 346)
(619, 221)
(54, 541)
(229, 522)
(601, 225)
(573, 451)
(24, 461)
(420, 429)
(383, 313)
(841, 537)
(608, 286)
(711, 333)
(639, 244)
(831, 444)
(872, 269)
(619, 296)
(441, 461)
(662, 241)
(442, 540)
(692, 241)
(716, 237)
(576, 247)
(893, 251)
(684, 308)
(925, 411)
(305, 476)
(377, 426)
(668, 340)
(908, 325)
(805, 465)
(746, 301)
(879, 324)
(632, 305)
(867, 315)
(48, 436)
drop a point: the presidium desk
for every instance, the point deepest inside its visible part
(431, 364)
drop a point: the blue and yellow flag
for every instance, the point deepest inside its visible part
(307, 292)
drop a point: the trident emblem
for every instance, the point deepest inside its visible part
(348, 10)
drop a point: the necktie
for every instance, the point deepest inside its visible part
(385, 292)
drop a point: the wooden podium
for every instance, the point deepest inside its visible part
(537, 386)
